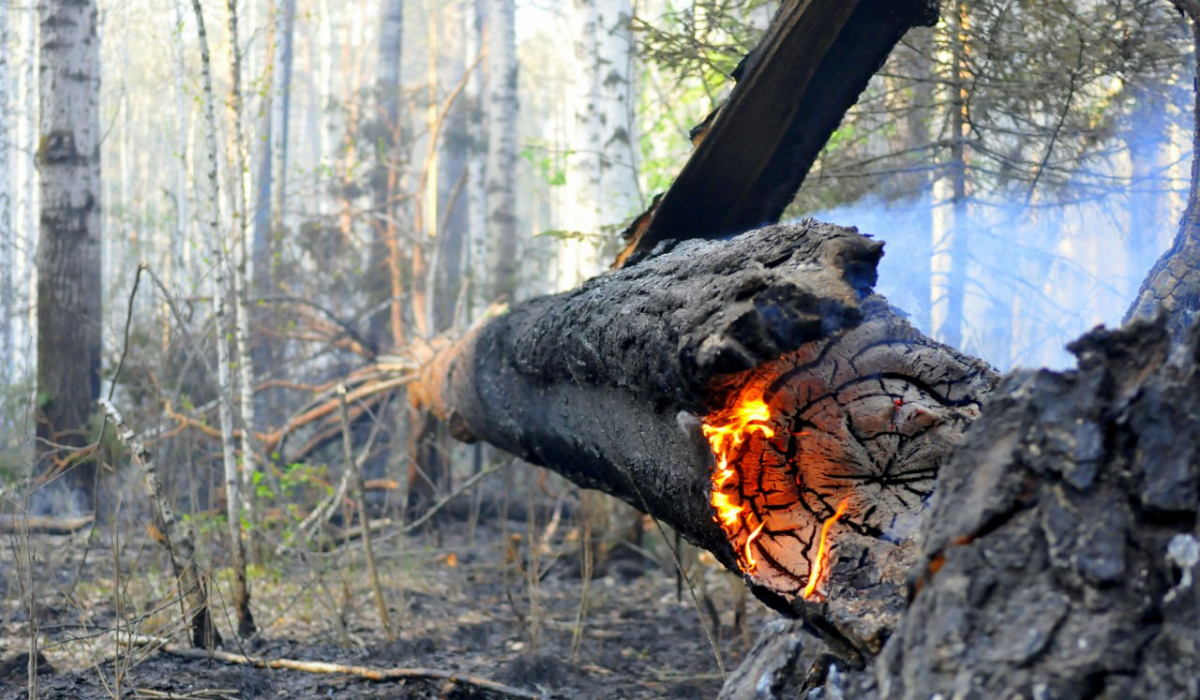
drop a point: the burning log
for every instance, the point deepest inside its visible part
(769, 348)
(1061, 557)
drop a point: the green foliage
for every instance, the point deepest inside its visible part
(549, 164)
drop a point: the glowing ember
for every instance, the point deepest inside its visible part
(818, 566)
(749, 540)
(726, 432)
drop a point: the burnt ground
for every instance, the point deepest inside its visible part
(459, 596)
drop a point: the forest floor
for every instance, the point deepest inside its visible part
(460, 601)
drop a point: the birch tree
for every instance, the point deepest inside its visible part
(475, 250)
(500, 99)
(7, 234)
(68, 255)
(603, 179)
(246, 626)
(241, 279)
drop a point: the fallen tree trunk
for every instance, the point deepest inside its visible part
(610, 385)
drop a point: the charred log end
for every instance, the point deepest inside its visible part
(842, 440)
(1064, 531)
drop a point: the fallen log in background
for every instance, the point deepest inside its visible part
(608, 385)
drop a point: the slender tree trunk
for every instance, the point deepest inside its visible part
(456, 23)
(954, 243)
(25, 325)
(7, 232)
(603, 182)
(501, 105)
(920, 117)
(475, 250)
(220, 295)
(263, 173)
(387, 259)
(241, 280)
(181, 195)
(178, 539)
(282, 109)
(69, 258)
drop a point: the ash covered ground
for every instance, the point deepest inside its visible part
(459, 596)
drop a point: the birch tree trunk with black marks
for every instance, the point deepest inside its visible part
(500, 103)
(602, 178)
(241, 272)
(220, 298)
(68, 257)
(475, 251)
(7, 232)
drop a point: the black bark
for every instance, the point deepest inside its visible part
(608, 384)
(1060, 557)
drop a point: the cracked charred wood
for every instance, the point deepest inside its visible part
(612, 385)
(792, 92)
(1060, 558)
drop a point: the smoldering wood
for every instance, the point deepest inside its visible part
(608, 384)
(1060, 558)
(1061, 551)
(813, 63)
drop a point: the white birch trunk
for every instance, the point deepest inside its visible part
(475, 251)
(7, 233)
(281, 78)
(603, 185)
(25, 272)
(176, 270)
(241, 276)
(500, 101)
(224, 379)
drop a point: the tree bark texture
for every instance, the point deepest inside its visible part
(500, 98)
(220, 297)
(69, 291)
(602, 182)
(1061, 549)
(792, 93)
(382, 278)
(1173, 284)
(1060, 558)
(7, 230)
(608, 385)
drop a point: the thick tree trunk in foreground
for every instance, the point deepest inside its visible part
(1061, 550)
(1060, 557)
(792, 92)
(68, 255)
(608, 385)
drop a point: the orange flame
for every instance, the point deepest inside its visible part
(726, 431)
(818, 567)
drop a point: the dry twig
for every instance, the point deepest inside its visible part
(364, 672)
